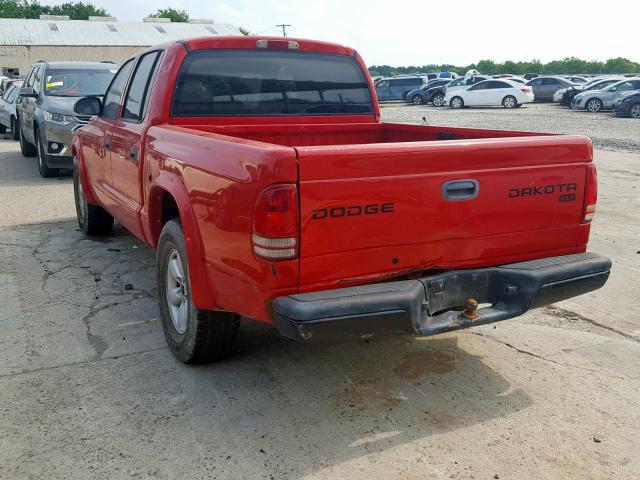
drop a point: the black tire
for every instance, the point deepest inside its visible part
(43, 166)
(456, 102)
(593, 105)
(634, 110)
(26, 148)
(207, 335)
(3, 129)
(15, 129)
(509, 102)
(93, 220)
(417, 100)
(437, 100)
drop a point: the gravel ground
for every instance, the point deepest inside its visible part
(607, 131)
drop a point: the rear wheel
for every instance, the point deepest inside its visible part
(27, 149)
(93, 220)
(193, 335)
(634, 111)
(417, 100)
(438, 100)
(509, 102)
(456, 102)
(43, 166)
(15, 129)
(594, 105)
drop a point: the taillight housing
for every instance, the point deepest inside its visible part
(275, 223)
(525, 89)
(590, 194)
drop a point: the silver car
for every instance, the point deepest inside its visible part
(8, 110)
(597, 100)
(45, 109)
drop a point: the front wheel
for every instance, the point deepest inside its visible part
(456, 102)
(594, 105)
(193, 335)
(417, 100)
(93, 220)
(43, 166)
(509, 102)
(438, 100)
(26, 148)
(634, 111)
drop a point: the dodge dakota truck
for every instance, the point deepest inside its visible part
(259, 171)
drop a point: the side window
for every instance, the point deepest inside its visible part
(13, 93)
(480, 86)
(550, 81)
(536, 82)
(37, 80)
(635, 85)
(140, 86)
(29, 81)
(6, 94)
(115, 90)
(383, 84)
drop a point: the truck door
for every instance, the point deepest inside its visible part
(126, 143)
(96, 148)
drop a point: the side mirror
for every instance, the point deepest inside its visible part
(88, 106)
(28, 92)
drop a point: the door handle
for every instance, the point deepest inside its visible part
(133, 153)
(107, 144)
(455, 190)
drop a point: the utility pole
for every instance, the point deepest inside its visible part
(284, 28)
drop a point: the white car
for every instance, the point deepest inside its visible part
(490, 93)
(8, 110)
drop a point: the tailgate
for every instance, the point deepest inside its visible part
(371, 211)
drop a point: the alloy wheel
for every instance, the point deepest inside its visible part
(177, 292)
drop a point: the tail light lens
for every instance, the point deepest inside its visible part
(590, 194)
(525, 89)
(275, 225)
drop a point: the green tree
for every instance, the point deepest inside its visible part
(78, 11)
(172, 13)
(21, 9)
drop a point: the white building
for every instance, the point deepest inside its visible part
(56, 38)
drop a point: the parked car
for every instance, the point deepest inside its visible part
(449, 75)
(420, 95)
(565, 95)
(597, 100)
(224, 170)
(45, 109)
(529, 76)
(628, 106)
(519, 80)
(490, 93)
(8, 110)
(396, 88)
(436, 95)
(545, 87)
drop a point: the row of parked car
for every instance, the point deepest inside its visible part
(39, 109)
(617, 93)
(510, 91)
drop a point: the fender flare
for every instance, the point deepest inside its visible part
(167, 183)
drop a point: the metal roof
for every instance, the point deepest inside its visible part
(17, 31)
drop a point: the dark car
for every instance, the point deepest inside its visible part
(529, 76)
(436, 95)
(545, 87)
(420, 95)
(629, 106)
(396, 88)
(45, 109)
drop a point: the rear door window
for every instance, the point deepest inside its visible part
(259, 83)
(140, 87)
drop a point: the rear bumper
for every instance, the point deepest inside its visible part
(432, 304)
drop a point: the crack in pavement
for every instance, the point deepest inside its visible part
(569, 315)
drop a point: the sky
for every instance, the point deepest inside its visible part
(408, 32)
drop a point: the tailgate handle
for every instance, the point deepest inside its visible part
(455, 190)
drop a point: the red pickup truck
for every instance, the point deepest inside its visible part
(260, 172)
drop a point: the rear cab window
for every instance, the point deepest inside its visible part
(259, 83)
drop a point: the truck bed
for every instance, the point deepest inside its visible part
(353, 134)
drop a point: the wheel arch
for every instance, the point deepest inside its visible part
(168, 199)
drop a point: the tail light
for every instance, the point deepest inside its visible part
(590, 194)
(525, 89)
(275, 225)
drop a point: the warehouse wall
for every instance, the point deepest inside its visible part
(22, 57)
